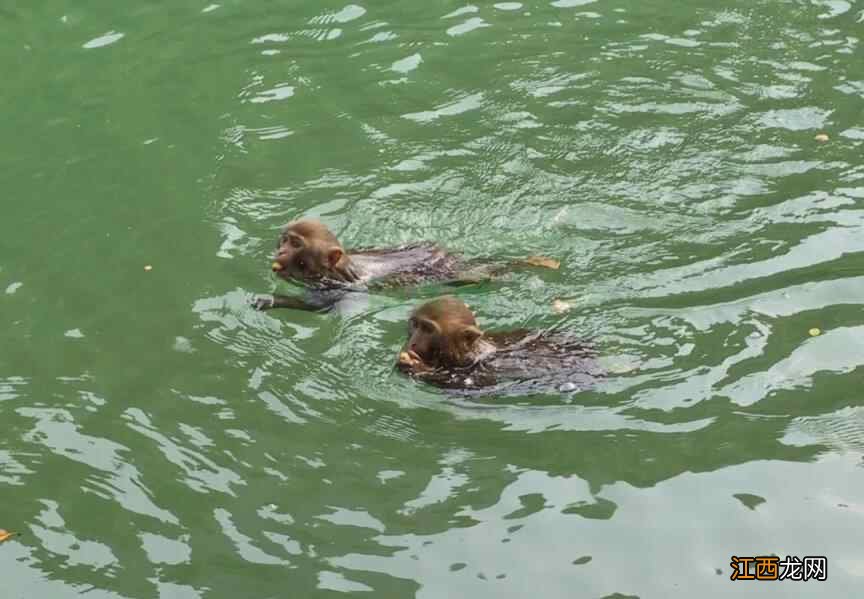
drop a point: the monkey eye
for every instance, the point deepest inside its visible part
(295, 243)
(426, 327)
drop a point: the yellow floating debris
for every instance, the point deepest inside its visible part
(821, 137)
(814, 332)
(5, 535)
(148, 268)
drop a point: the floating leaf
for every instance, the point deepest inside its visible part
(542, 262)
(5, 535)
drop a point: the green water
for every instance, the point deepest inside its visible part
(161, 439)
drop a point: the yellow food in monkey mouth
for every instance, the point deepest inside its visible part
(277, 266)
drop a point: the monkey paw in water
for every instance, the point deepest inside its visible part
(263, 303)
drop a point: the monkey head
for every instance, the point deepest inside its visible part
(310, 253)
(442, 333)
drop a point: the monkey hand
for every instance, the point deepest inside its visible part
(263, 303)
(411, 362)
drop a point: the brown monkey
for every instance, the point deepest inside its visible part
(446, 347)
(308, 252)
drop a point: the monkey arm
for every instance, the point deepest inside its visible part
(314, 300)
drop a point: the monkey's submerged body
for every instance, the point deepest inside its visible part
(523, 362)
(446, 349)
(407, 266)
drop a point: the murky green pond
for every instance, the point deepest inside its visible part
(162, 439)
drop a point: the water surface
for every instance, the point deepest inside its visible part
(163, 439)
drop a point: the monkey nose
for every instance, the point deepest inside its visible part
(276, 266)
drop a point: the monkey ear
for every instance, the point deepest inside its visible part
(334, 255)
(471, 333)
(296, 240)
